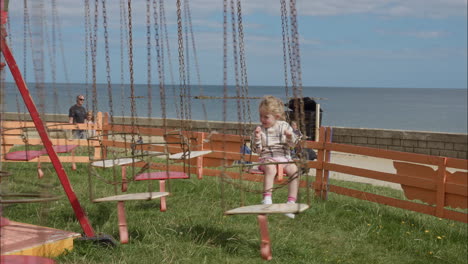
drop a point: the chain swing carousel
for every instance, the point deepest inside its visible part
(245, 165)
(150, 153)
(17, 245)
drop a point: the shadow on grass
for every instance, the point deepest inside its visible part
(100, 213)
(229, 241)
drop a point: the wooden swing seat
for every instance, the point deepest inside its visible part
(64, 148)
(132, 197)
(114, 162)
(161, 175)
(120, 199)
(280, 173)
(25, 155)
(21, 259)
(190, 154)
(281, 208)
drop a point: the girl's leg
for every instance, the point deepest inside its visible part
(293, 186)
(269, 172)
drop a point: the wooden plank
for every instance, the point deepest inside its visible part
(66, 159)
(189, 155)
(26, 239)
(385, 154)
(7, 140)
(24, 155)
(161, 175)
(457, 163)
(281, 208)
(114, 162)
(426, 183)
(421, 208)
(457, 189)
(144, 147)
(132, 197)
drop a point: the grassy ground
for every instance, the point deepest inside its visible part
(194, 229)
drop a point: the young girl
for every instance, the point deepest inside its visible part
(90, 120)
(272, 141)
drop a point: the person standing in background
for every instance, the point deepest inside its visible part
(77, 115)
(90, 121)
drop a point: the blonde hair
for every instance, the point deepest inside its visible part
(90, 113)
(272, 105)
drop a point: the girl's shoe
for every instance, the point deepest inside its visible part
(267, 200)
(290, 215)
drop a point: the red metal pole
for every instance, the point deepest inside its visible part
(79, 212)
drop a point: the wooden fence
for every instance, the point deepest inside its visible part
(439, 183)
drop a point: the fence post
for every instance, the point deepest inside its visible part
(105, 123)
(441, 180)
(326, 172)
(319, 170)
(200, 141)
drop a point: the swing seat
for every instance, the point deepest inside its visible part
(4, 221)
(25, 155)
(132, 197)
(18, 259)
(161, 175)
(279, 171)
(114, 162)
(64, 148)
(190, 154)
(282, 208)
(120, 199)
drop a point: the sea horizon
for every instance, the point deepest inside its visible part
(415, 109)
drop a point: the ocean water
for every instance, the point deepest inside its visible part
(420, 109)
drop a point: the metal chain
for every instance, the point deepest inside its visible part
(236, 63)
(87, 27)
(182, 81)
(121, 34)
(132, 81)
(298, 91)
(108, 68)
(160, 60)
(297, 88)
(284, 22)
(195, 57)
(58, 24)
(169, 56)
(223, 173)
(25, 30)
(243, 64)
(94, 56)
(187, 57)
(38, 48)
(148, 59)
(53, 55)
(295, 30)
(62, 51)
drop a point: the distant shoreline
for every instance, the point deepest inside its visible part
(259, 85)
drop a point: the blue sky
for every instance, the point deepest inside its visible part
(357, 43)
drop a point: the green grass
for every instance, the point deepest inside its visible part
(194, 229)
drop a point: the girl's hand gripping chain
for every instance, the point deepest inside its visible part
(258, 133)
